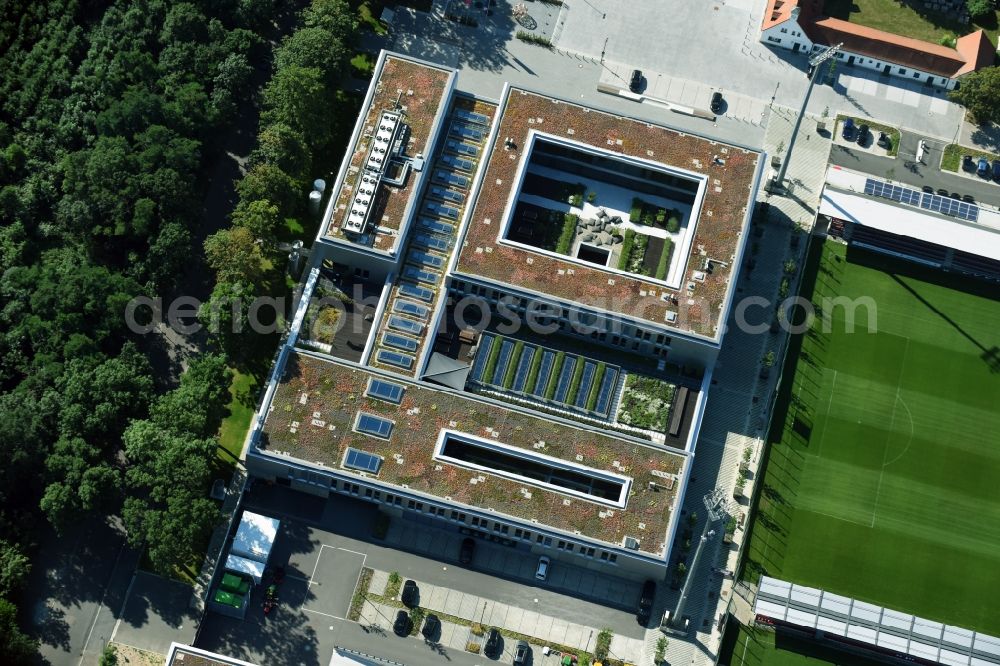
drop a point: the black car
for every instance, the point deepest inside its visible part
(884, 141)
(864, 133)
(646, 602)
(942, 192)
(968, 164)
(402, 625)
(956, 195)
(467, 549)
(522, 654)
(716, 103)
(968, 198)
(432, 627)
(996, 169)
(494, 644)
(928, 189)
(635, 84)
(411, 594)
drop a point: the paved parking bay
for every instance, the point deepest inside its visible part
(323, 545)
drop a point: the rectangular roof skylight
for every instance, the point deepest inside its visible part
(383, 390)
(376, 426)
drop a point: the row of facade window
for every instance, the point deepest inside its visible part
(455, 516)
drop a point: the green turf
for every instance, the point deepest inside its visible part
(755, 646)
(882, 478)
(241, 407)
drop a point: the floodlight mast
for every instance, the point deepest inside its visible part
(814, 63)
(716, 507)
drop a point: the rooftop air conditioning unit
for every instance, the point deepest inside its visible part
(631, 543)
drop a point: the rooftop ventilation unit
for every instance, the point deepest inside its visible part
(631, 543)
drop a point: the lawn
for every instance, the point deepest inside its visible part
(243, 392)
(907, 18)
(951, 159)
(881, 476)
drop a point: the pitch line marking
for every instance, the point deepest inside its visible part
(892, 422)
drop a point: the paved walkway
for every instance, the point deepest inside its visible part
(490, 613)
(740, 399)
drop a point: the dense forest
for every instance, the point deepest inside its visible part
(110, 113)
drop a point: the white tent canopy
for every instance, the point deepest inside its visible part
(255, 536)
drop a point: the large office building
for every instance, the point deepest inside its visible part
(510, 320)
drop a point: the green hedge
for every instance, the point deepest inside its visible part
(574, 384)
(635, 213)
(536, 363)
(595, 388)
(626, 252)
(534, 39)
(550, 388)
(567, 235)
(674, 223)
(508, 375)
(491, 361)
(664, 263)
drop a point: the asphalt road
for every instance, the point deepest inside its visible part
(906, 169)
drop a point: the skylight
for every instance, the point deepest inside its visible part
(383, 390)
(362, 461)
(376, 426)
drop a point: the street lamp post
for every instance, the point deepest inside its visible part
(815, 63)
(716, 506)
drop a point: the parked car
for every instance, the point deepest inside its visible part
(941, 192)
(956, 195)
(467, 549)
(542, 572)
(864, 133)
(848, 131)
(968, 198)
(646, 602)
(402, 625)
(983, 168)
(411, 594)
(635, 83)
(996, 169)
(522, 653)
(928, 189)
(494, 644)
(432, 627)
(716, 103)
(968, 164)
(884, 141)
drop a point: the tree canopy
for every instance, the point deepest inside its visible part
(979, 93)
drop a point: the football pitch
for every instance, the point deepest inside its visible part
(883, 477)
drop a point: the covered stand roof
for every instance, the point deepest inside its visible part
(255, 536)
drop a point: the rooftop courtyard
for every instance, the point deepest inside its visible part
(469, 452)
(609, 212)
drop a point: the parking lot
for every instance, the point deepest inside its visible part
(323, 544)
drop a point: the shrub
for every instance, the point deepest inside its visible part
(592, 196)
(978, 8)
(360, 594)
(491, 360)
(595, 388)
(783, 288)
(537, 40)
(626, 252)
(477, 629)
(768, 359)
(472, 647)
(574, 385)
(515, 357)
(603, 644)
(674, 223)
(681, 570)
(550, 389)
(416, 620)
(635, 213)
(664, 263)
(791, 267)
(568, 234)
(536, 363)
(635, 264)
(661, 649)
(392, 587)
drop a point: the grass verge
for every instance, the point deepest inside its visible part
(951, 159)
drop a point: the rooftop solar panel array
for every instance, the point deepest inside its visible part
(927, 201)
